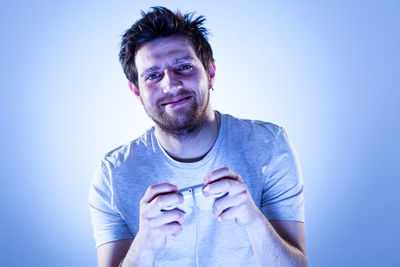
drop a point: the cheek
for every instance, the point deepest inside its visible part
(150, 98)
(203, 88)
(146, 94)
(198, 82)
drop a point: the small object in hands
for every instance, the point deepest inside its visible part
(203, 203)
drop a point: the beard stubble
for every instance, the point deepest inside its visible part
(185, 121)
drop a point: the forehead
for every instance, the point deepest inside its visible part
(164, 50)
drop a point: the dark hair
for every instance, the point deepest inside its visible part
(162, 22)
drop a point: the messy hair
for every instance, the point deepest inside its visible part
(162, 22)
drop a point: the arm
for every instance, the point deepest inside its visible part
(278, 243)
(112, 253)
(275, 243)
(154, 227)
(124, 252)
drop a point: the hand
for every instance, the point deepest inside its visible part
(237, 203)
(155, 222)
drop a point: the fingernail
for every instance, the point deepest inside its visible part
(206, 193)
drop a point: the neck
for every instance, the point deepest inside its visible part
(192, 146)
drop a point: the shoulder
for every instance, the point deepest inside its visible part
(256, 130)
(120, 155)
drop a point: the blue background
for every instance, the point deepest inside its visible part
(327, 71)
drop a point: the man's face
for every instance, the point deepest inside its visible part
(173, 84)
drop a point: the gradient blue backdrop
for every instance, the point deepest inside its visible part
(328, 71)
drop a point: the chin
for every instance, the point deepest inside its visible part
(186, 122)
(183, 123)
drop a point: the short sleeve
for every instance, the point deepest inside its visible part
(282, 197)
(108, 224)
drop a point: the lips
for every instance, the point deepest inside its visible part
(175, 100)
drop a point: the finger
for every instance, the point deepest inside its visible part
(155, 207)
(231, 213)
(156, 189)
(173, 228)
(225, 185)
(228, 202)
(167, 217)
(218, 174)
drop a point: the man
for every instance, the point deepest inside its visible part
(258, 218)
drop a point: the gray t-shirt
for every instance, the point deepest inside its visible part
(258, 151)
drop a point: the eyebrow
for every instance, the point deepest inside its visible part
(151, 69)
(176, 61)
(180, 60)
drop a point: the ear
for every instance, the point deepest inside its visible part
(211, 74)
(135, 90)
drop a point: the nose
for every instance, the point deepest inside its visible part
(170, 81)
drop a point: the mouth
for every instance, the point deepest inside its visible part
(175, 101)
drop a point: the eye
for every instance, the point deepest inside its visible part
(185, 68)
(152, 76)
